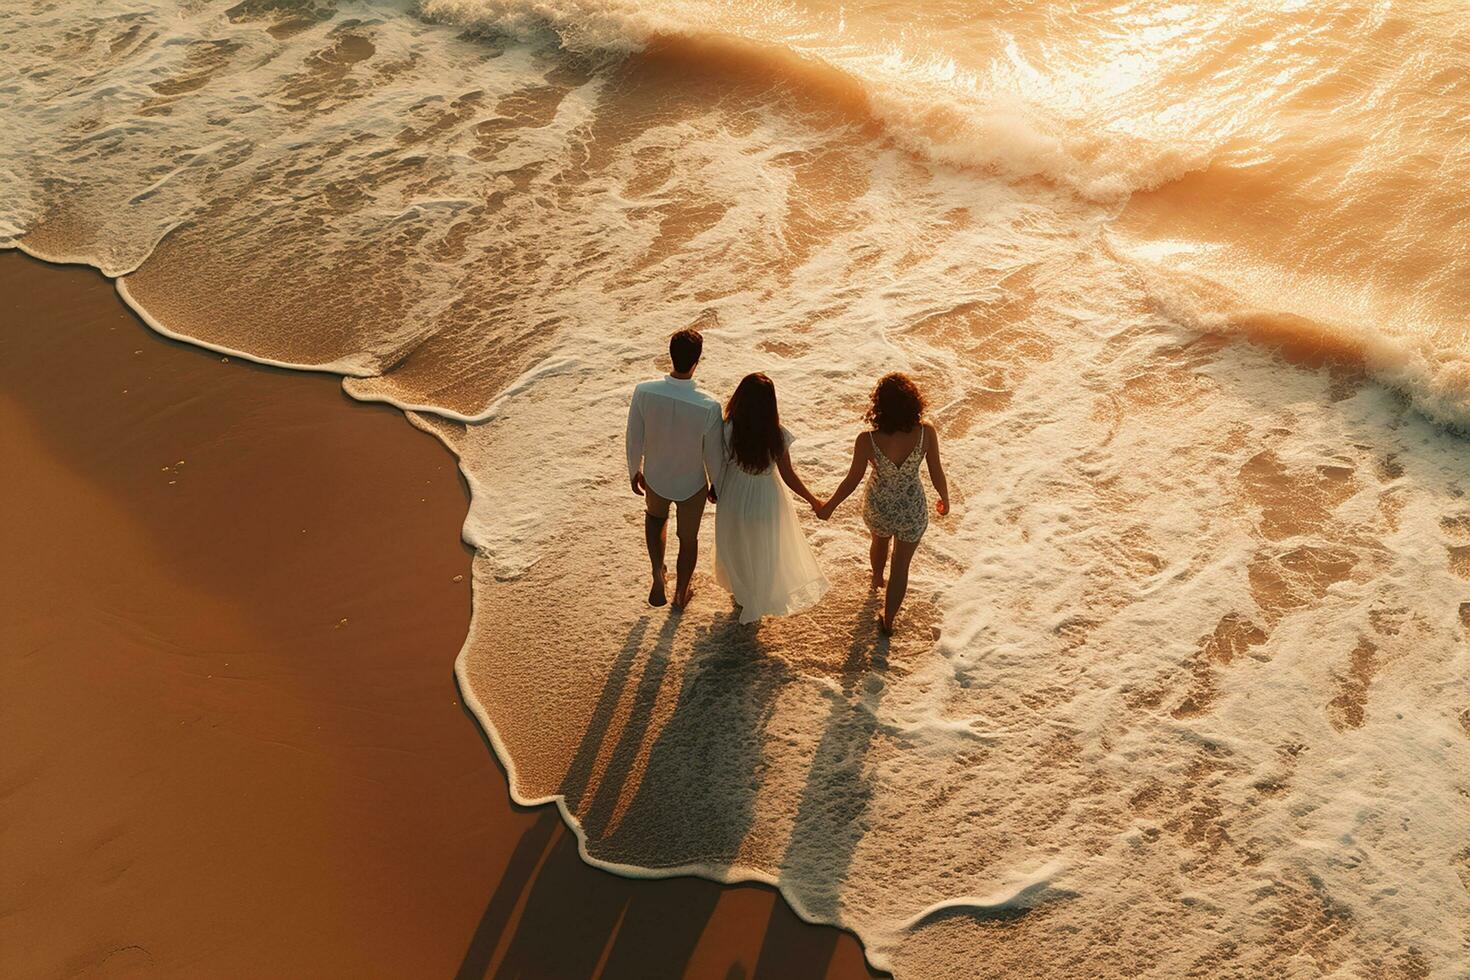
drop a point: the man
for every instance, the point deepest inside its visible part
(674, 440)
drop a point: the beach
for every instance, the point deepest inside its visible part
(1181, 681)
(234, 746)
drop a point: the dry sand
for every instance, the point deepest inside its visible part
(230, 602)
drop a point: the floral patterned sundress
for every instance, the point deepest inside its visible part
(894, 505)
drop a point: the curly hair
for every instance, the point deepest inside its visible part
(897, 405)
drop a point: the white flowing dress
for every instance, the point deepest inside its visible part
(761, 555)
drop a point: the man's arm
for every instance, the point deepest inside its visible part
(714, 450)
(635, 445)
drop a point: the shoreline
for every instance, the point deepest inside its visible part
(92, 409)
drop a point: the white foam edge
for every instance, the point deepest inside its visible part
(1020, 894)
(343, 368)
(545, 369)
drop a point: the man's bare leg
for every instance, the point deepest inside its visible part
(655, 534)
(690, 513)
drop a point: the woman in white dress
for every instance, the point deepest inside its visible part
(761, 556)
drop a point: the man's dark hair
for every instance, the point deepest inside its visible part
(684, 349)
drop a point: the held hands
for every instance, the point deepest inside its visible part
(823, 508)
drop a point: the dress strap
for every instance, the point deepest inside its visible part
(910, 466)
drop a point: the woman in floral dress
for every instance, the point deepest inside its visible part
(894, 508)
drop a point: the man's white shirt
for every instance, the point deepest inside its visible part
(674, 436)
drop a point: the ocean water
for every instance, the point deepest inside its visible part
(1183, 683)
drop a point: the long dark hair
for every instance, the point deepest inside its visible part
(897, 404)
(755, 424)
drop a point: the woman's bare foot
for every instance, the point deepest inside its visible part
(657, 596)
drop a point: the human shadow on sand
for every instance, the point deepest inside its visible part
(831, 816)
(673, 786)
(690, 802)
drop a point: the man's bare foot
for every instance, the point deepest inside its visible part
(885, 626)
(877, 581)
(657, 595)
(680, 601)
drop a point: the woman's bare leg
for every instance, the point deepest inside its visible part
(877, 558)
(898, 581)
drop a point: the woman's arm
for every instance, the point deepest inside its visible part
(936, 469)
(788, 473)
(862, 453)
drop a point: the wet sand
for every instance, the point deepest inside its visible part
(230, 605)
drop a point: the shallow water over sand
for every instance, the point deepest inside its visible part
(1183, 680)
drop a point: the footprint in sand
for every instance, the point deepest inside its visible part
(1233, 637)
(1457, 528)
(1349, 708)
